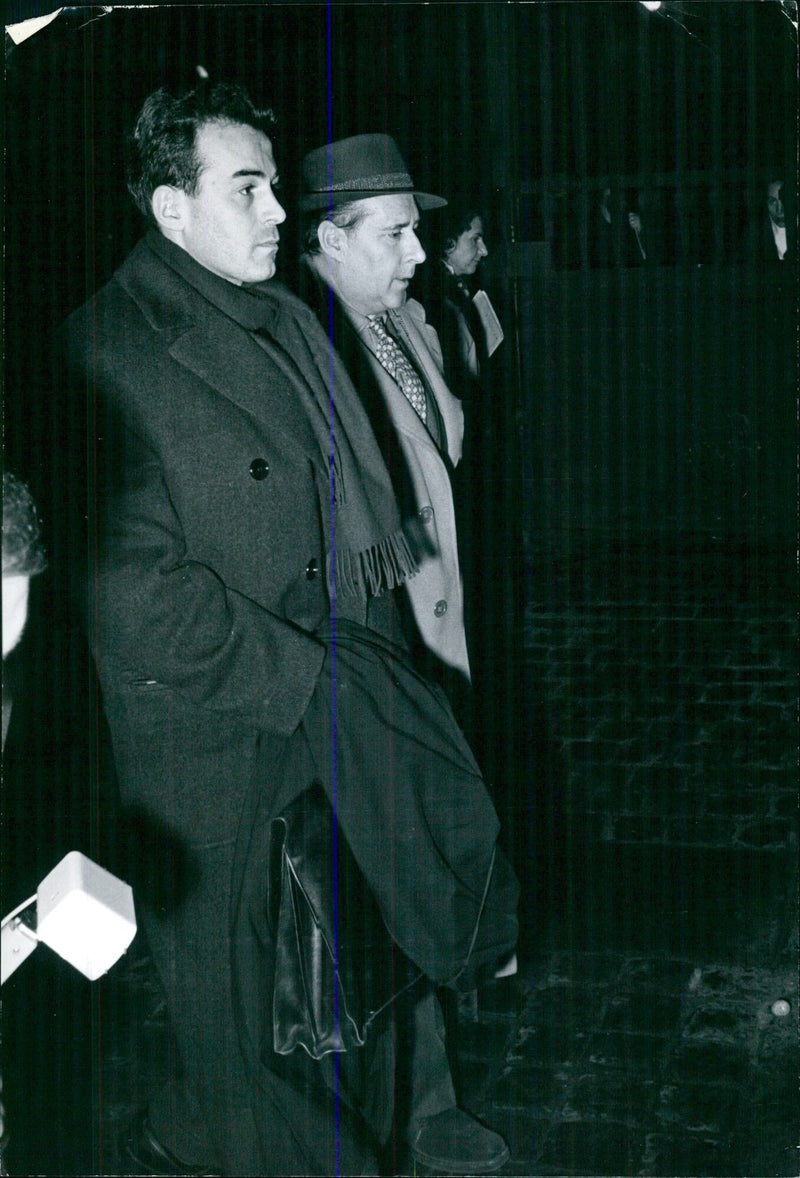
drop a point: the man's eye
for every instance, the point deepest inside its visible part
(248, 188)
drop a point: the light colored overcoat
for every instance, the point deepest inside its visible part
(436, 592)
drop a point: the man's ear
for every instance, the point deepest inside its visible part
(169, 208)
(332, 239)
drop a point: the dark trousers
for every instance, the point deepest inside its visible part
(212, 1109)
(298, 1116)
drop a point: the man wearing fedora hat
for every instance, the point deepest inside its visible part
(360, 242)
(362, 210)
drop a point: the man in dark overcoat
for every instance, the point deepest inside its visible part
(246, 546)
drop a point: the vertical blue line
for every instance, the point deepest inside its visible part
(334, 724)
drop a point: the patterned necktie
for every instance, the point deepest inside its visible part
(397, 364)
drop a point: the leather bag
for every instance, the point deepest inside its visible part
(336, 966)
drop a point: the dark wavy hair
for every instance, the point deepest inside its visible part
(451, 221)
(163, 146)
(23, 555)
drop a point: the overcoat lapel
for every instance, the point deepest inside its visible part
(402, 412)
(213, 346)
(452, 414)
(226, 357)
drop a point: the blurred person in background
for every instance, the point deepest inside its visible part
(774, 224)
(23, 558)
(617, 235)
(458, 307)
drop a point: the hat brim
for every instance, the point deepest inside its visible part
(324, 200)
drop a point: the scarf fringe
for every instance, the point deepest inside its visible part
(374, 570)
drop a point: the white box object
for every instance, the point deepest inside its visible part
(85, 914)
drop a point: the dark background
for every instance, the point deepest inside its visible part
(663, 415)
(651, 410)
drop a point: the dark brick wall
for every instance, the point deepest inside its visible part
(661, 800)
(657, 412)
(669, 691)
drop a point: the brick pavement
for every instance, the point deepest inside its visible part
(648, 1065)
(591, 1063)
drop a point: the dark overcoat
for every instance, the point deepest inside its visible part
(211, 519)
(207, 512)
(210, 525)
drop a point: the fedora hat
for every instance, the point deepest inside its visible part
(356, 168)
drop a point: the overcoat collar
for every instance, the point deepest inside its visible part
(246, 305)
(202, 327)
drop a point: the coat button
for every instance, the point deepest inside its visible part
(259, 469)
(426, 514)
(440, 609)
(312, 569)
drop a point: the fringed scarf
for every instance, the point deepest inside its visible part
(371, 549)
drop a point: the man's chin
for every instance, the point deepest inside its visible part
(265, 273)
(261, 270)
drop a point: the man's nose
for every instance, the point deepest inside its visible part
(482, 250)
(271, 210)
(416, 252)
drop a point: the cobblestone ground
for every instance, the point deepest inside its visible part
(641, 1035)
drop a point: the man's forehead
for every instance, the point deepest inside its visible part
(234, 147)
(392, 210)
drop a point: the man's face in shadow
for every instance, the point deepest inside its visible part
(775, 204)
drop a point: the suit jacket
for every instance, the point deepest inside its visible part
(767, 243)
(420, 471)
(460, 331)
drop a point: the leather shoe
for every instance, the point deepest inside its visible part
(455, 1143)
(140, 1144)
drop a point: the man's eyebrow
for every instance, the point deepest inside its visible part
(251, 172)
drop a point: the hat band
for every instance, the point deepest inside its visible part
(367, 183)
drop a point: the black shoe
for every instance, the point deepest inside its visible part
(140, 1144)
(453, 1142)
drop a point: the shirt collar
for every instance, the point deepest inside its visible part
(779, 234)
